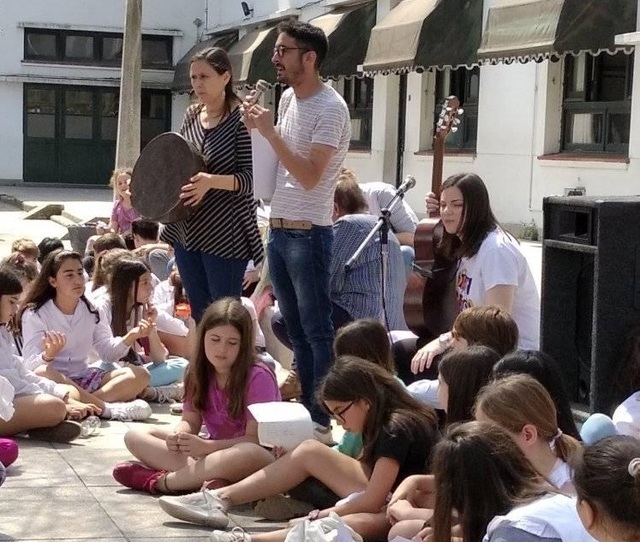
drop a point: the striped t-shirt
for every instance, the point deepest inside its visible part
(323, 119)
(224, 222)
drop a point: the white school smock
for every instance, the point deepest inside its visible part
(24, 381)
(83, 334)
(551, 516)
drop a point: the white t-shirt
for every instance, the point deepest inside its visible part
(626, 417)
(379, 195)
(500, 262)
(561, 477)
(322, 119)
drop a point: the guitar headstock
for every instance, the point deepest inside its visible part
(449, 118)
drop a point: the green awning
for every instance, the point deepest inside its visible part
(251, 56)
(425, 34)
(539, 29)
(347, 29)
(181, 80)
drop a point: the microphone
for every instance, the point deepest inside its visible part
(408, 183)
(261, 87)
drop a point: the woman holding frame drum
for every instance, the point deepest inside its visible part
(213, 246)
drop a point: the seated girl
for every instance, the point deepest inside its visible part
(398, 434)
(522, 406)
(607, 479)
(41, 407)
(545, 370)
(484, 488)
(482, 326)
(127, 306)
(222, 380)
(61, 328)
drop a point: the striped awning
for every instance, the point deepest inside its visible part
(541, 29)
(422, 34)
(251, 56)
(347, 29)
(181, 80)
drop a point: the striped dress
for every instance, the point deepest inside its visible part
(224, 222)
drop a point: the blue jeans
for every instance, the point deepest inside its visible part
(299, 264)
(207, 277)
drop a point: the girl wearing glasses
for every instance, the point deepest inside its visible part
(397, 431)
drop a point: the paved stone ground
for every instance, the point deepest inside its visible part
(66, 492)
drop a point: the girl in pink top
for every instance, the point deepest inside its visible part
(122, 213)
(222, 380)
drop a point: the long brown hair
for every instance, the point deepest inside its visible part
(218, 59)
(477, 217)
(42, 291)
(365, 338)
(123, 291)
(480, 473)
(390, 405)
(201, 373)
(104, 266)
(517, 400)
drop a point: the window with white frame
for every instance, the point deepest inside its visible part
(358, 93)
(465, 84)
(596, 109)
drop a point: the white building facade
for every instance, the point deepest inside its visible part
(530, 129)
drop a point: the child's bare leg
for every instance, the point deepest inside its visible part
(233, 464)
(340, 473)
(150, 447)
(407, 528)
(123, 384)
(34, 412)
(76, 392)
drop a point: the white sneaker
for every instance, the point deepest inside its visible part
(235, 535)
(136, 410)
(202, 508)
(323, 434)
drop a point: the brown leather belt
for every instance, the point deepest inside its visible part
(284, 224)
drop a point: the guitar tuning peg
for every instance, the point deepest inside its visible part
(454, 129)
(456, 121)
(460, 111)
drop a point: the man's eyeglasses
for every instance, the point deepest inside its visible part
(339, 414)
(280, 50)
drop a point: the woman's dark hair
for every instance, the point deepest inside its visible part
(477, 217)
(9, 281)
(367, 339)
(487, 325)
(628, 374)
(466, 372)
(48, 245)
(201, 373)
(218, 59)
(308, 37)
(125, 276)
(42, 291)
(390, 405)
(545, 370)
(179, 293)
(606, 477)
(480, 473)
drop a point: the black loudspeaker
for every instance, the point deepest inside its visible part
(590, 290)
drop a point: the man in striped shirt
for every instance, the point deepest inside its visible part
(311, 140)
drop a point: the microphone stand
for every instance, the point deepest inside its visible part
(382, 226)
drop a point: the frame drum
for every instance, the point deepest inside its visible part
(166, 164)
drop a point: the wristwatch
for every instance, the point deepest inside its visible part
(444, 340)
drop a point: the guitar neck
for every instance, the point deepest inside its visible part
(436, 170)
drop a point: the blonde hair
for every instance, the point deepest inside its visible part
(116, 173)
(27, 247)
(517, 400)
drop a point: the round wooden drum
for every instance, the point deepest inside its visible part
(166, 164)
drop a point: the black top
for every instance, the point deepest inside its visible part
(225, 222)
(411, 449)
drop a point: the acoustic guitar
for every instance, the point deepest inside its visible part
(430, 305)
